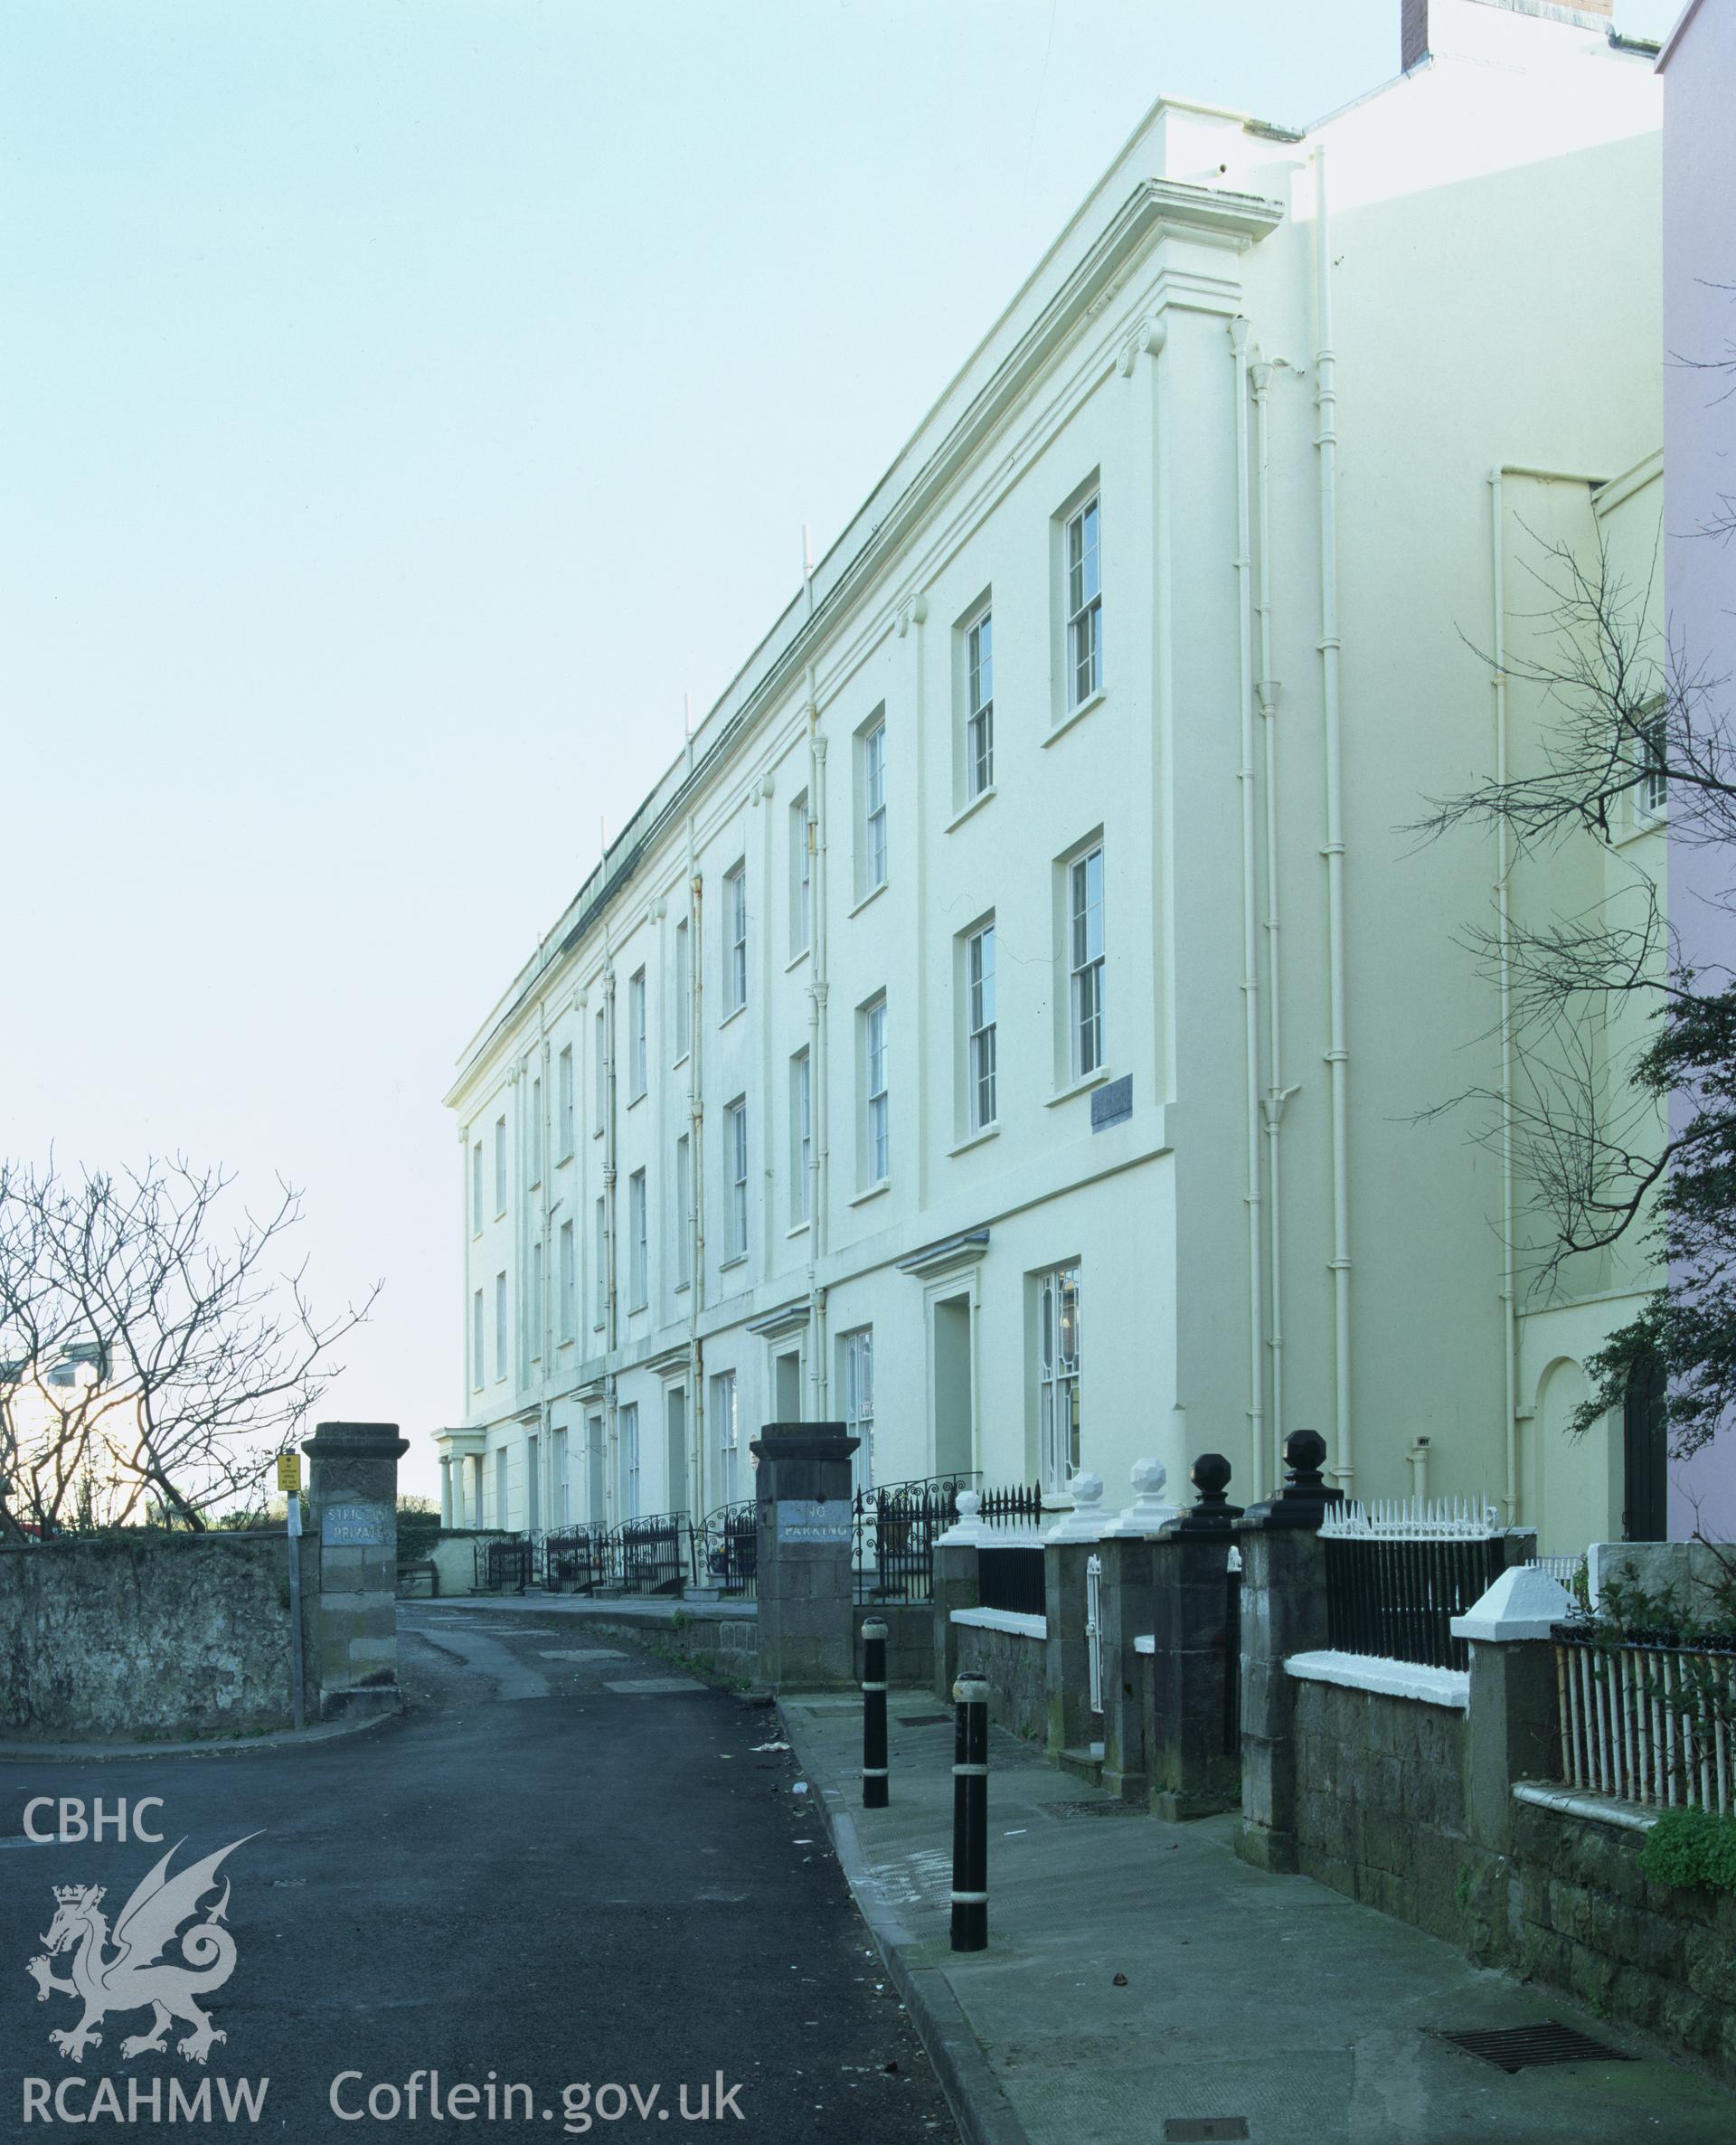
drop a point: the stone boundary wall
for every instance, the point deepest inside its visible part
(1017, 1672)
(1383, 1814)
(721, 1638)
(149, 1638)
(1381, 1803)
(715, 1638)
(454, 1556)
(1651, 1956)
(910, 1641)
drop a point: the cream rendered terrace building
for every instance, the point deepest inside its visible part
(1004, 1027)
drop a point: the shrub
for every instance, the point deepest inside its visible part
(418, 1529)
(1692, 1847)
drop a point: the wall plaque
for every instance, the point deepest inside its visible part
(1112, 1103)
(356, 1527)
(813, 1519)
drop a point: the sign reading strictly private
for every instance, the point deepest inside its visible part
(813, 1519)
(355, 1527)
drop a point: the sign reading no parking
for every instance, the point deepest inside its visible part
(812, 1519)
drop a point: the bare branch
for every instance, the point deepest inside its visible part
(150, 1359)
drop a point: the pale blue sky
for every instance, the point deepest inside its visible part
(403, 402)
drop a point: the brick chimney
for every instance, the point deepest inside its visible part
(1414, 25)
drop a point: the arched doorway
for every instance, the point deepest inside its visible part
(1646, 1454)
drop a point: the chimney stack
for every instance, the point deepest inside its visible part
(1413, 19)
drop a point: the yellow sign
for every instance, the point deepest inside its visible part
(289, 1472)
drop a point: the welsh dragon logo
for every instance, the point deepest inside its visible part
(135, 1976)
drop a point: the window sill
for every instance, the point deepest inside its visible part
(633, 1101)
(795, 960)
(735, 1259)
(1075, 714)
(976, 805)
(1638, 828)
(734, 1013)
(681, 1287)
(963, 1147)
(596, 1131)
(634, 1309)
(681, 1060)
(565, 1344)
(1079, 1087)
(564, 1159)
(874, 1192)
(500, 1213)
(874, 894)
(796, 1229)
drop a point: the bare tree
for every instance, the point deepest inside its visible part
(1608, 1147)
(153, 1363)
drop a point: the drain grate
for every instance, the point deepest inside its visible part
(923, 1720)
(1518, 2047)
(1203, 2129)
(1092, 1810)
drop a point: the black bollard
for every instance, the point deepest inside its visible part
(874, 1714)
(970, 1815)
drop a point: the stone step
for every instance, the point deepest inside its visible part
(1085, 1765)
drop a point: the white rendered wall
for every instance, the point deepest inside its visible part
(1475, 215)
(1699, 75)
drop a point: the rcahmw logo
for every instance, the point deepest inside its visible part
(125, 1969)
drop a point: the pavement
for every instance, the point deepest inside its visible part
(1297, 2017)
(568, 1867)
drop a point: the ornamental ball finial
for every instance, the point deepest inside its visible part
(1211, 1477)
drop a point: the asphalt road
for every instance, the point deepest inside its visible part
(532, 1880)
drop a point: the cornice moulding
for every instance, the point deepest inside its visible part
(950, 1255)
(1157, 210)
(787, 1318)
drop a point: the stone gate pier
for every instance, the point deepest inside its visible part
(352, 1498)
(802, 1512)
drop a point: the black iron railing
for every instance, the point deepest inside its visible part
(893, 1533)
(572, 1560)
(1014, 1509)
(1395, 1583)
(725, 1551)
(1011, 1577)
(1010, 1569)
(501, 1567)
(651, 1555)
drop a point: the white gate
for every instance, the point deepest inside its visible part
(1094, 1628)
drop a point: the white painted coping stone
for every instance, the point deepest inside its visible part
(1147, 1514)
(1088, 1519)
(1520, 1603)
(1004, 1620)
(1387, 1678)
(1572, 1803)
(1146, 1643)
